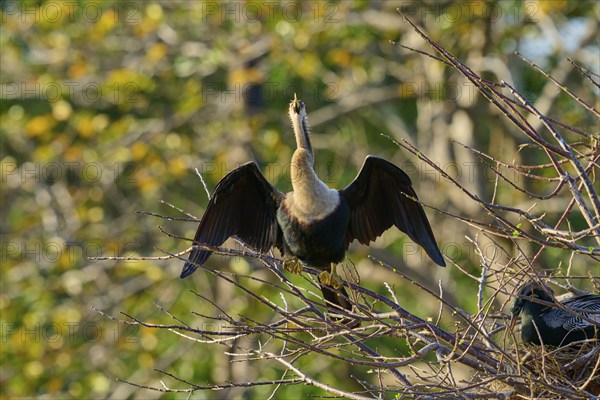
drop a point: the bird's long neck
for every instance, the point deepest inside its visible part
(301, 132)
(312, 199)
(307, 185)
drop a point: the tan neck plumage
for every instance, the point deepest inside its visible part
(311, 199)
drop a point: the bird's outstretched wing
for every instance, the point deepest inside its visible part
(380, 196)
(572, 321)
(243, 204)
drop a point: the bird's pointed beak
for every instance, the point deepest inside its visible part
(295, 105)
(510, 328)
(512, 323)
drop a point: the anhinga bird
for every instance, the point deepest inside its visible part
(313, 225)
(553, 325)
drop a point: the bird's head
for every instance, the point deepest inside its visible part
(297, 107)
(530, 290)
(300, 125)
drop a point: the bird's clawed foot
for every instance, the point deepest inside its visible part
(292, 265)
(331, 278)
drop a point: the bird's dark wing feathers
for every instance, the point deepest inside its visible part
(243, 204)
(570, 321)
(381, 196)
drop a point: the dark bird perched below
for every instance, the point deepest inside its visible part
(313, 225)
(555, 326)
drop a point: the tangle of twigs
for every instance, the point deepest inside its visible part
(500, 367)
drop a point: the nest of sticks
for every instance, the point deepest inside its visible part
(576, 366)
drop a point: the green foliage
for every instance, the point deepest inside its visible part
(107, 108)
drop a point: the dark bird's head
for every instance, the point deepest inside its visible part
(296, 106)
(300, 125)
(528, 291)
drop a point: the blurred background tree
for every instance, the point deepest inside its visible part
(107, 108)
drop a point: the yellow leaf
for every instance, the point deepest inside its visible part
(85, 127)
(156, 52)
(38, 125)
